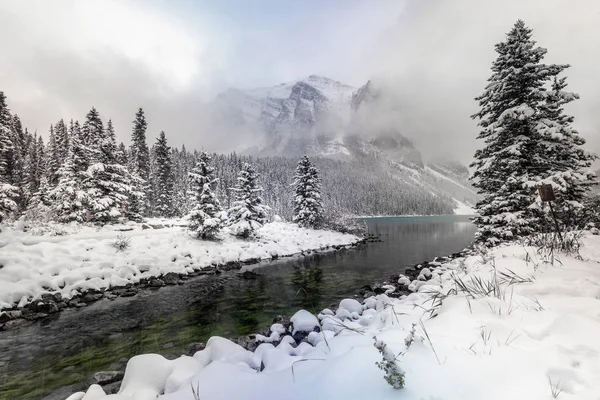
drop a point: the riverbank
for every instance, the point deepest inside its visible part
(54, 267)
(507, 324)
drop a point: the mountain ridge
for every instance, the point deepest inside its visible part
(323, 117)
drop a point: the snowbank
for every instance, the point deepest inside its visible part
(80, 258)
(533, 336)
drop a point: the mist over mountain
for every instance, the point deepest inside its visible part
(325, 118)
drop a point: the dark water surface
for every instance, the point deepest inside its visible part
(39, 358)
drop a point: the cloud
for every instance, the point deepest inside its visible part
(438, 57)
(61, 57)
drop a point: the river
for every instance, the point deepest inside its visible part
(65, 349)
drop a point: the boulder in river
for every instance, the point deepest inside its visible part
(195, 347)
(250, 275)
(105, 377)
(171, 278)
(156, 282)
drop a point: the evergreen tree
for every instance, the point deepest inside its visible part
(92, 134)
(163, 178)
(139, 161)
(565, 164)
(508, 166)
(41, 168)
(121, 155)
(68, 197)
(206, 216)
(308, 209)
(108, 182)
(62, 141)
(181, 163)
(20, 143)
(248, 212)
(8, 192)
(140, 155)
(39, 206)
(77, 149)
(53, 159)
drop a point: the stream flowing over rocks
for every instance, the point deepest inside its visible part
(65, 349)
(303, 328)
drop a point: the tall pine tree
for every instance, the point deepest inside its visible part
(8, 192)
(62, 140)
(566, 165)
(206, 217)
(308, 208)
(53, 158)
(139, 163)
(163, 178)
(507, 168)
(68, 197)
(248, 213)
(108, 182)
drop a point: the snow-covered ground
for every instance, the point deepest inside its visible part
(79, 258)
(534, 336)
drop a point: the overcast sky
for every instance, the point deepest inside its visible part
(61, 57)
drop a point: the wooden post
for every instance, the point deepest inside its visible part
(547, 196)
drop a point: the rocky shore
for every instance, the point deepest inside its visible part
(283, 329)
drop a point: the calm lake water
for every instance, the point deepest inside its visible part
(36, 360)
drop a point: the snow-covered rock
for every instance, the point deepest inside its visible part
(351, 305)
(303, 321)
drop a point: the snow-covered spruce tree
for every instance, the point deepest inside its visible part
(8, 192)
(108, 182)
(136, 198)
(62, 140)
(163, 178)
(139, 162)
(181, 199)
(248, 213)
(121, 155)
(92, 134)
(308, 209)
(39, 206)
(53, 159)
(565, 164)
(68, 197)
(206, 217)
(509, 164)
(20, 140)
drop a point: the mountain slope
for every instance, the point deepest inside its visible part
(323, 117)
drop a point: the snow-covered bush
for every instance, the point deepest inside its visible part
(394, 375)
(122, 242)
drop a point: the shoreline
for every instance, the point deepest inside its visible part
(412, 216)
(52, 303)
(110, 380)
